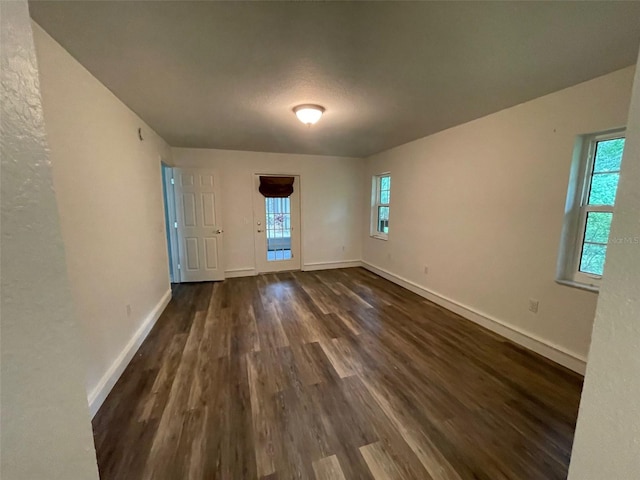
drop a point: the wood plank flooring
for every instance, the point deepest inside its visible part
(335, 374)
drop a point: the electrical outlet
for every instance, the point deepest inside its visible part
(533, 305)
(128, 310)
(426, 270)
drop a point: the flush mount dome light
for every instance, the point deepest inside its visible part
(308, 114)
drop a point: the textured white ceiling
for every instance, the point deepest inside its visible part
(227, 74)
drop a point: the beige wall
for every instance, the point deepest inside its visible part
(331, 202)
(607, 436)
(109, 191)
(45, 432)
(482, 206)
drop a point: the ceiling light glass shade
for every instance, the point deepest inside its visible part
(308, 114)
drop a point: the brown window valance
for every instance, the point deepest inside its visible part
(278, 187)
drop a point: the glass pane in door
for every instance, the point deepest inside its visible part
(278, 222)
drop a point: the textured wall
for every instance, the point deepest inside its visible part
(607, 442)
(46, 433)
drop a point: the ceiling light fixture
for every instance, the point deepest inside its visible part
(308, 114)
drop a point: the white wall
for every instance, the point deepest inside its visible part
(482, 205)
(46, 430)
(109, 191)
(331, 202)
(607, 442)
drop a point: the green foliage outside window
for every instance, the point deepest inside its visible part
(602, 192)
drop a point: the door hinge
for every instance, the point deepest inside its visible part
(175, 224)
(173, 182)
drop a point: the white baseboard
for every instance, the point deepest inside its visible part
(308, 267)
(109, 379)
(547, 349)
(250, 271)
(240, 272)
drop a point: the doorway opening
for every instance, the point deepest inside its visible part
(277, 222)
(193, 229)
(168, 198)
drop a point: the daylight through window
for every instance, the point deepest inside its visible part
(596, 195)
(382, 199)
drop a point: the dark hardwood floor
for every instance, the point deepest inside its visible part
(335, 374)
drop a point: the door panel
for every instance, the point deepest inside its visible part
(192, 262)
(199, 233)
(211, 252)
(277, 230)
(186, 179)
(189, 209)
(208, 210)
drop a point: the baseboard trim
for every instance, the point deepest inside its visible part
(553, 352)
(240, 272)
(109, 379)
(308, 267)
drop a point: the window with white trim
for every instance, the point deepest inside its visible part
(381, 199)
(590, 203)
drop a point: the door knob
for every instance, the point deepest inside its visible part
(219, 231)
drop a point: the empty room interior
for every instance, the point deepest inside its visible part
(320, 240)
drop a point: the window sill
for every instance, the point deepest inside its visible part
(581, 286)
(380, 237)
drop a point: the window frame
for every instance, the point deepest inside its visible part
(376, 204)
(579, 191)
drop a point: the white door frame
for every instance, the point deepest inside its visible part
(173, 225)
(257, 194)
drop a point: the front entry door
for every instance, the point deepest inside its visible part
(277, 230)
(199, 228)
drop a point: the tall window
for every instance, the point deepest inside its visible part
(381, 199)
(597, 184)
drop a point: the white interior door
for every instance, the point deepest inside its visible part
(199, 228)
(276, 224)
